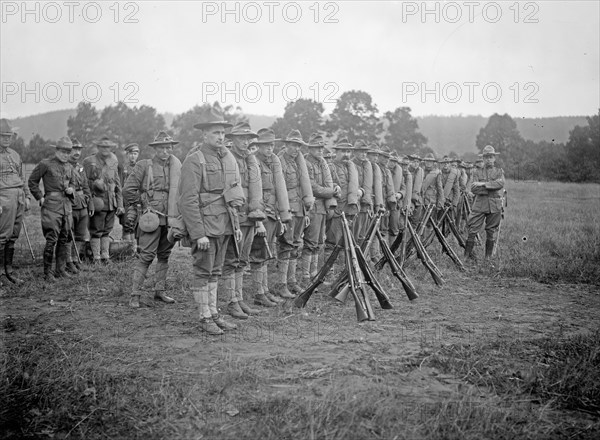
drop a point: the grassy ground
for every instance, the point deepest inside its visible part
(488, 355)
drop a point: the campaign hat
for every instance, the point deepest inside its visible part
(210, 117)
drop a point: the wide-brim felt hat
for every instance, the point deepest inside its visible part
(294, 137)
(5, 128)
(488, 150)
(414, 157)
(241, 129)
(105, 142)
(429, 158)
(360, 145)
(210, 117)
(316, 140)
(132, 147)
(342, 144)
(162, 138)
(446, 159)
(64, 143)
(265, 136)
(76, 143)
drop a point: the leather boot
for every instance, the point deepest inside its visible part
(235, 311)
(69, 266)
(9, 253)
(281, 287)
(222, 324)
(139, 275)
(265, 280)
(201, 297)
(105, 249)
(239, 285)
(48, 257)
(95, 246)
(160, 279)
(259, 297)
(469, 254)
(292, 282)
(489, 248)
(61, 261)
(314, 265)
(305, 267)
(233, 308)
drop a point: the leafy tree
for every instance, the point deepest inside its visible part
(583, 151)
(403, 132)
(37, 149)
(355, 116)
(84, 124)
(501, 133)
(304, 115)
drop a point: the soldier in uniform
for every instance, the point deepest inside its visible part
(132, 151)
(102, 172)
(398, 180)
(417, 199)
(324, 192)
(487, 206)
(432, 189)
(301, 202)
(150, 185)
(451, 186)
(56, 202)
(389, 193)
(345, 176)
(379, 185)
(250, 217)
(365, 183)
(82, 208)
(14, 200)
(210, 191)
(277, 209)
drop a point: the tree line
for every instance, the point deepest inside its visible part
(355, 116)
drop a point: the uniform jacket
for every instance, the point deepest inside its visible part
(406, 189)
(365, 183)
(418, 176)
(297, 182)
(488, 199)
(125, 171)
(378, 200)
(252, 184)
(83, 194)
(275, 195)
(57, 177)
(387, 185)
(321, 182)
(11, 171)
(451, 186)
(432, 189)
(345, 175)
(106, 170)
(207, 175)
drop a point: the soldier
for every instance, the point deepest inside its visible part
(132, 151)
(379, 203)
(250, 217)
(394, 165)
(210, 190)
(406, 190)
(390, 196)
(277, 209)
(345, 175)
(324, 192)
(56, 202)
(301, 202)
(487, 206)
(101, 170)
(150, 185)
(15, 199)
(82, 209)
(417, 199)
(432, 190)
(451, 186)
(365, 183)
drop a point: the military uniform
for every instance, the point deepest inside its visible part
(301, 200)
(365, 183)
(14, 200)
(57, 220)
(130, 209)
(487, 206)
(398, 181)
(81, 203)
(105, 185)
(432, 189)
(451, 184)
(416, 198)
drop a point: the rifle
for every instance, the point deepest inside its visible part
(453, 228)
(303, 298)
(420, 229)
(446, 246)
(28, 240)
(425, 258)
(77, 250)
(397, 270)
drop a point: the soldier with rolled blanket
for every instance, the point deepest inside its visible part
(277, 209)
(365, 183)
(450, 183)
(132, 152)
(210, 190)
(14, 201)
(102, 171)
(56, 202)
(152, 184)
(406, 190)
(345, 175)
(82, 209)
(324, 192)
(432, 189)
(379, 202)
(250, 216)
(398, 181)
(487, 186)
(417, 198)
(301, 200)
(390, 196)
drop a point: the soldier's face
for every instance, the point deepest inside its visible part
(6, 140)
(75, 154)
(345, 154)
(163, 151)
(292, 149)
(446, 166)
(132, 156)
(383, 160)
(62, 155)
(489, 160)
(214, 137)
(240, 144)
(360, 154)
(266, 149)
(372, 157)
(104, 151)
(316, 151)
(428, 165)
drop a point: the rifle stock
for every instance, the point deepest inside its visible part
(398, 272)
(446, 246)
(303, 298)
(425, 258)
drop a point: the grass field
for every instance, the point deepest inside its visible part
(508, 353)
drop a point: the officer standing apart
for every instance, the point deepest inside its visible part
(14, 200)
(149, 185)
(487, 206)
(56, 202)
(210, 189)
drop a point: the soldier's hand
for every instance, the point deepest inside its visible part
(337, 191)
(306, 221)
(261, 231)
(381, 209)
(27, 205)
(308, 205)
(41, 201)
(69, 191)
(238, 235)
(91, 211)
(203, 244)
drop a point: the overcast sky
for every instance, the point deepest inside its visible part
(528, 59)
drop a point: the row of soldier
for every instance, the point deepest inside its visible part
(235, 206)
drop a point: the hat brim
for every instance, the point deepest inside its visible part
(232, 135)
(154, 144)
(293, 141)
(104, 144)
(264, 142)
(203, 125)
(343, 147)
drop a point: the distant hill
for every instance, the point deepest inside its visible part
(445, 133)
